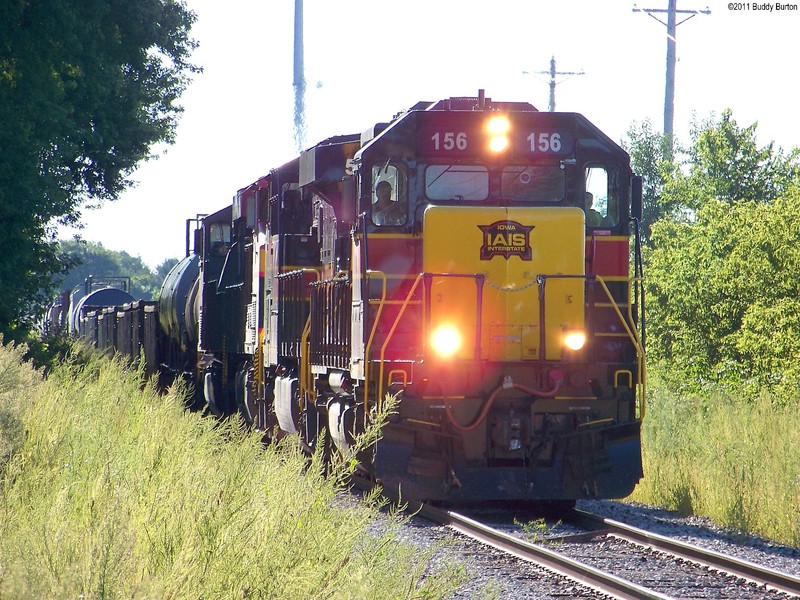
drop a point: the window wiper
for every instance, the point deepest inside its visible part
(438, 176)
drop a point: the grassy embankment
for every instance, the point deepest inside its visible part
(725, 457)
(110, 491)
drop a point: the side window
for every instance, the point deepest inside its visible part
(219, 237)
(600, 197)
(389, 196)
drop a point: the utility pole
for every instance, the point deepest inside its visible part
(671, 25)
(552, 72)
(299, 81)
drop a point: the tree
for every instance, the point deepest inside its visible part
(87, 87)
(725, 163)
(723, 293)
(163, 269)
(647, 150)
(92, 259)
(720, 269)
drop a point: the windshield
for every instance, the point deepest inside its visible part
(457, 182)
(536, 184)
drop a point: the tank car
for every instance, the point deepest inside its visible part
(471, 258)
(87, 301)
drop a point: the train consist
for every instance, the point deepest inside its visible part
(469, 257)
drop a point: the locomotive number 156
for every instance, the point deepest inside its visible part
(524, 142)
(449, 140)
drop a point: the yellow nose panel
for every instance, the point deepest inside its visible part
(510, 247)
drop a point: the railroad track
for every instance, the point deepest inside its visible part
(604, 581)
(760, 575)
(762, 579)
(594, 578)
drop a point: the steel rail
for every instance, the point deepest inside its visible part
(763, 576)
(573, 570)
(589, 576)
(595, 579)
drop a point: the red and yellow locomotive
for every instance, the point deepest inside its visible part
(470, 257)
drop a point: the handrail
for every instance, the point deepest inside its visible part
(305, 365)
(391, 333)
(633, 334)
(630, 330)
(642, 385)
(368, 348)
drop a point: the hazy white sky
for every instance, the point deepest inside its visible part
(368, 59)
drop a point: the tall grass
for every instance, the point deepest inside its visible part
(734, 459)
(112, 491)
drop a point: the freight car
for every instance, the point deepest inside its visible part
(471, 258)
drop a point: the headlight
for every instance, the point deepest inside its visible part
(445, 341)
(574, 340)
(498, 128)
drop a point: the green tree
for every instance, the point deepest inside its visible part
(86, 88)
(163, 269)
(725, 162)
(92, 259)
(647, 149)
(720, 271)
(723, 293)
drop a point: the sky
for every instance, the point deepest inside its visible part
(366, 60)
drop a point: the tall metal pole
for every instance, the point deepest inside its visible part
(299, 81)
(669, 93)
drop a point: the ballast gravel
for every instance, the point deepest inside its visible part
(492, 574)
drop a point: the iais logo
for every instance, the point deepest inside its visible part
(506, 238)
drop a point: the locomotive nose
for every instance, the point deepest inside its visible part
(506, 282)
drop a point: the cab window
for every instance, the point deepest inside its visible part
(219, 238)
(457, 182)
(533, 183)
(389, 201)
(601, 203)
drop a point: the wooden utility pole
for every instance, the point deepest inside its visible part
(552, 72)
(669, 94)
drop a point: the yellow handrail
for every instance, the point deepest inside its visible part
(372, 338)
(633, 335)
(630, 330)
(305, 359)
(305, 365)
(391, 333)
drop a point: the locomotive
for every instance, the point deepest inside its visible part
(471, 258)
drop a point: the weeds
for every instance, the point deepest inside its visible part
(537, 529)
(112, 490)
(726, 456)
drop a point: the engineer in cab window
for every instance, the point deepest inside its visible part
(593, 218)
(385, 210)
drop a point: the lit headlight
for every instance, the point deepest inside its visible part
(574, 340)
(498, 128)
(498, 143)
(445, 341)
(498, 125)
